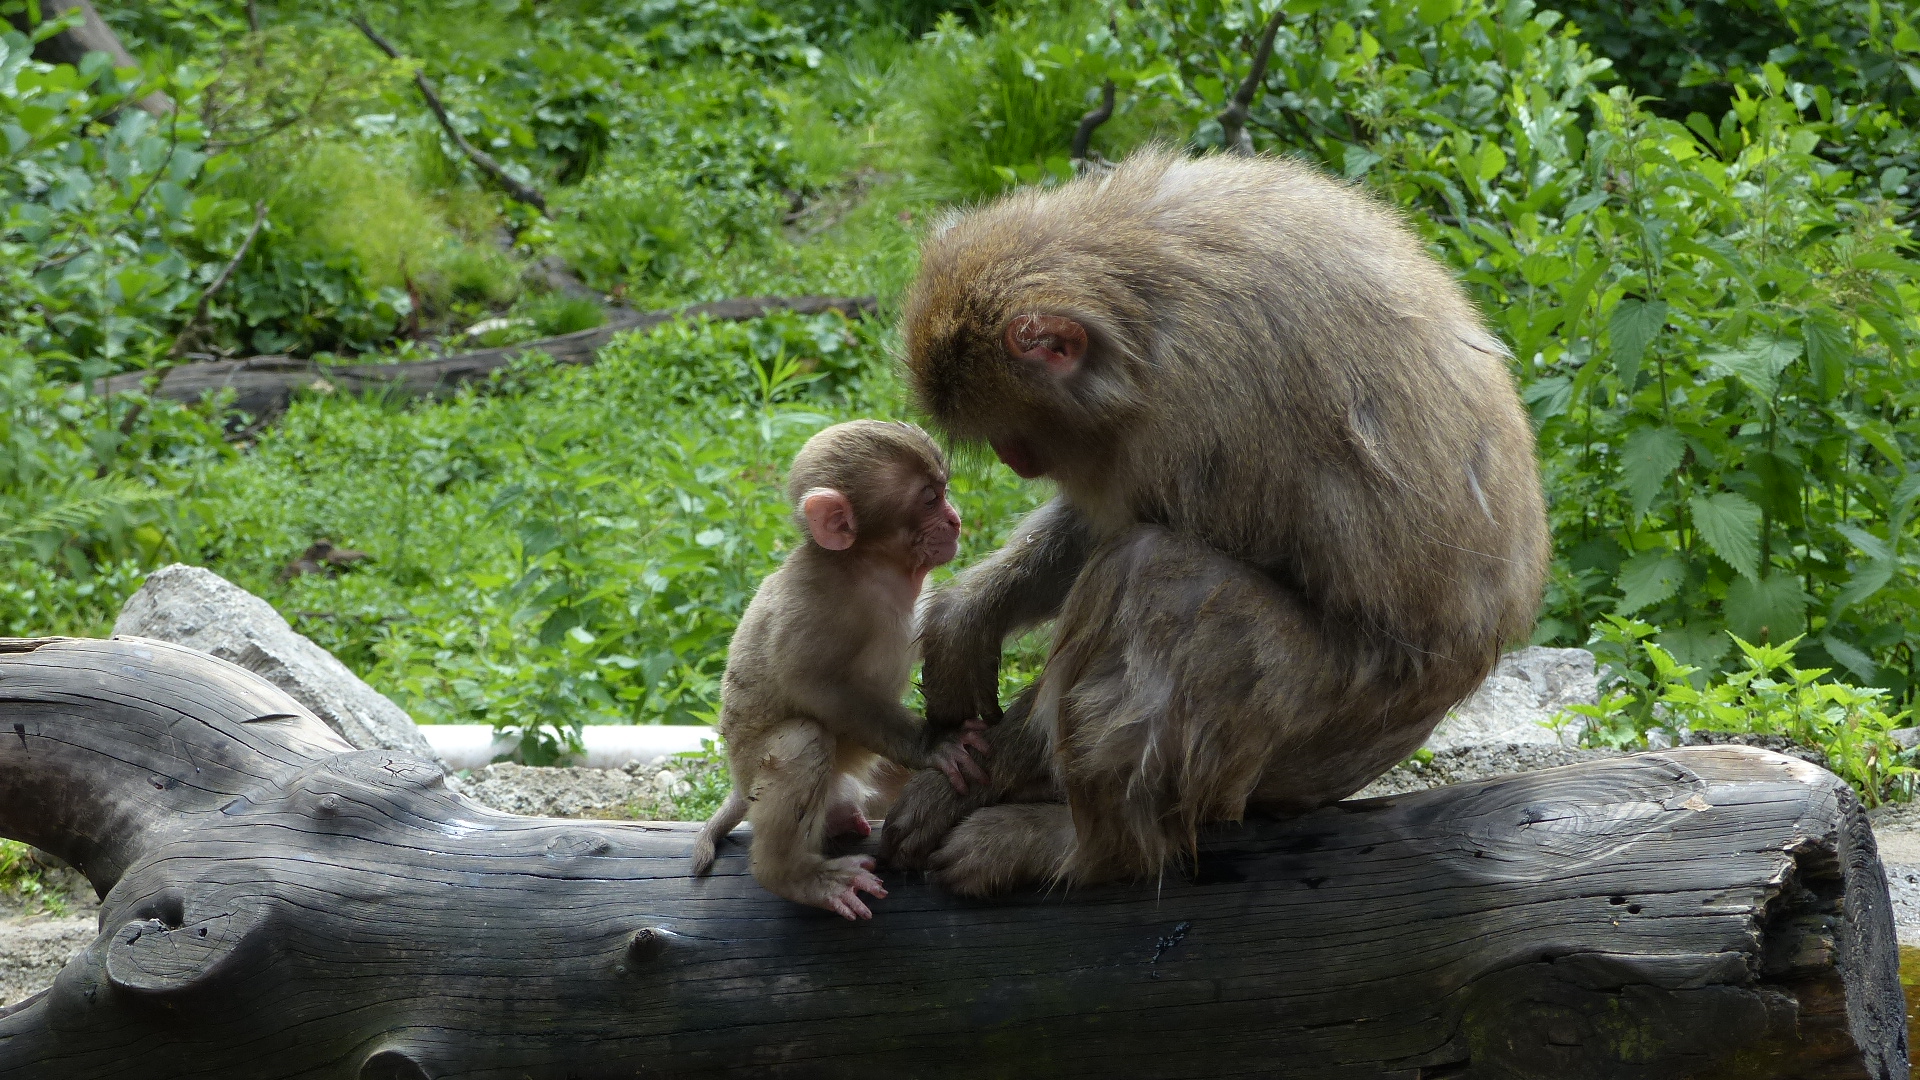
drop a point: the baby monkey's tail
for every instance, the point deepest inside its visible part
(720, 824)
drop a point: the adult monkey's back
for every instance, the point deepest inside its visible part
(1298, 510)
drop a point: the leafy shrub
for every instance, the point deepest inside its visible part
(90, 490)
(1001, 104)
(1768, 695)
(1692, 56)
(101, 240)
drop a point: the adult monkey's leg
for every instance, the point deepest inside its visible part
(1020, 770)
(1185, 687)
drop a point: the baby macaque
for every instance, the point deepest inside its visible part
(810, 702)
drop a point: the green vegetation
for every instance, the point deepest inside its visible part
(1767, 696)
(1690, 221)
(30, 885)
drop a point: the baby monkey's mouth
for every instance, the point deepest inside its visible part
(1018, 456)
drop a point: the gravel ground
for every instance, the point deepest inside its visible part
(38, 934)
(639, 791)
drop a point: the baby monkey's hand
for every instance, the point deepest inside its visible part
(953, 754)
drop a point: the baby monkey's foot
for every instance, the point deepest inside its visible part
(838, 885)
(847, 820)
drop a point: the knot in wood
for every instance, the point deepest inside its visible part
(646, 943)
(576, 843)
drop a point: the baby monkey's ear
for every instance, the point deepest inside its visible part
(829, 518)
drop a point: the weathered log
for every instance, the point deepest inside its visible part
(277, 905)
(264, 385)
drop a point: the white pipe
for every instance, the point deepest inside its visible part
(609, 746)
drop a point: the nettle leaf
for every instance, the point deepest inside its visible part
(1648, 459)
(1874, 547)
(1730, 524)
(1829, 351)
(1757, 363)
(1649, 578)
(1866, 581)
(1771, 609)
(1549, 397)
(1631, 329)
(1850, 657)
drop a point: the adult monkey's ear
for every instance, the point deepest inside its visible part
(1054, 340)
(829, 516)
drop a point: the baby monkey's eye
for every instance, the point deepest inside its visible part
(931, 495)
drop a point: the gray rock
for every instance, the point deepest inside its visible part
(195, 607)
(1528, 687)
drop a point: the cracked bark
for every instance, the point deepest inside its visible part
(279, 905)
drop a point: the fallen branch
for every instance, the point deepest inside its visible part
(1233, 118)
(516, 190)
(219, 282)
(279, 905)
(1092, 119)
(264, 385)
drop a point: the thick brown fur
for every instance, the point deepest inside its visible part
(810, 700)
(1298, 515)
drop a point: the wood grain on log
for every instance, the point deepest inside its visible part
(280, 906)
(264, 385)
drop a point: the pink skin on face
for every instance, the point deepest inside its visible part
(935, 544)
(1019, 457)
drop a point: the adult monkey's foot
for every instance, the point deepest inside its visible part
(919, 822)
(1001, 848)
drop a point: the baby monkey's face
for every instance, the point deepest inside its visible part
(936, 524)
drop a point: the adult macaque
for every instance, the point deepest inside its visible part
(810, 701)
(1298, 509)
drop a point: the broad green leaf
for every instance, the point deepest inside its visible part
(1905, 493)
(1649, 578)
(1850, 657)
(1772, 608)
(1631, 329)
(1866, 581)
(1648, 459)
(1757, 363)
(1549, 397)
(1874, 547)
(1730, 524)
(1879, 436)
(1493, 161)
(1700, 645)
(1888, 262)
(1829, 351)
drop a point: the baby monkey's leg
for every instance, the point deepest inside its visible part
(795, 787)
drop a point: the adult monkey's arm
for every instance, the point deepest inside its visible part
(965, 623)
